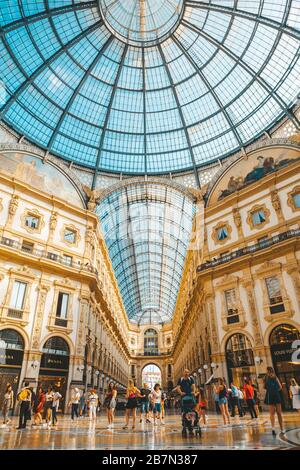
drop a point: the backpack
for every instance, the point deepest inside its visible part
(23, 395)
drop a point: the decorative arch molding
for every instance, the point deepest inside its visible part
(230, 162)
(151, 363)
(60, 335)
(51, 160)
(276, 323)
(19, 330)
(135, 181)
(232, 333)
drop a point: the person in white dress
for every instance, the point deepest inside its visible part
(295, 394)
(93, 403)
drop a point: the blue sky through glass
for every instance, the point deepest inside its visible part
(226, 73)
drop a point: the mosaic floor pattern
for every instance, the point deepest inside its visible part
(243, 433)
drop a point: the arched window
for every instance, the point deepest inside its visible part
(150, 342)
(11, 339)
(56, 346)
(239, 351)
(283, 334)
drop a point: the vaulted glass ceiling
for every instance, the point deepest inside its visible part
(147, 229)
(140, 86)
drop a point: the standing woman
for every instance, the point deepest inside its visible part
(156, 397)
(221, 392)
(132, 394)
(273, 398)
(38, 407)
(111, 403)
(295, 394)
(93, 404)
(8, 403)
(48, 406)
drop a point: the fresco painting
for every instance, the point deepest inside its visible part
(259, 165)
(43, 176)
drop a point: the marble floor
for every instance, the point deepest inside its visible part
(243, 433)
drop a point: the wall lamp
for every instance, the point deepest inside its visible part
(205, 367)
(80, 368)
(214, 365)
(258, 360)
(35, 364)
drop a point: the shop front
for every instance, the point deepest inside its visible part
(281, 340)
(55, 367)
(11, 359)
(239, 359)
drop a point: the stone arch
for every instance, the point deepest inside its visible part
(228, 335)
(60, 335)
(274, 324)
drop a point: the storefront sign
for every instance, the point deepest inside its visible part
(52, 361)
(11, 357)
(282, 352)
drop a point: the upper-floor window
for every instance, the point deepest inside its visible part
(296, 200)
(70, 235)
(32, 221)
(274, 294)
(231, 306)
(258, 217)
(222, 233)
(150, 342)
(18, 295)
(62, 305)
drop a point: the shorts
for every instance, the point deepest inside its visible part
(145, 407)
(131, 403)
(157, 408)
(223, 401)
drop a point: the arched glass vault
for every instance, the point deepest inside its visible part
(125, 86)
(147, 228)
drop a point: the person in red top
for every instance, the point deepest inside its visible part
(249, 396)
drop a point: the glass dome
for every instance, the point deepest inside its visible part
(147, 87)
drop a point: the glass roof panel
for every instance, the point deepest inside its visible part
(147, 230)
(147, 87)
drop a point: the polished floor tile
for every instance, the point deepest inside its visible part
(85, 434)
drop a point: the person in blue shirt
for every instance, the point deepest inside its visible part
(186, 385)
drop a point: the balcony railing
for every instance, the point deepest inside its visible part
(15, 313)
(61, 322)
(249, 249)
(37, 253)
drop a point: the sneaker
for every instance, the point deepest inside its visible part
(273, 432)
(141, 420)
(148, 421)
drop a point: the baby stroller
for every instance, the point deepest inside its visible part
(190, 417)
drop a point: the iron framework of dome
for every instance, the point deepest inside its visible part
(147, 229)
(144, 87)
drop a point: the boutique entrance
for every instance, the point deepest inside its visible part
(281, 340)
(54, 366)
(11, 358)
(239, 358)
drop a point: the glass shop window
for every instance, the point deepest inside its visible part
(296, 199)
(62, 305)
(222, 233)
(70, 235)
(32, 221)
(258, 217)
(18, 295)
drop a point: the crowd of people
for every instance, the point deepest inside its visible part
(41, 406)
